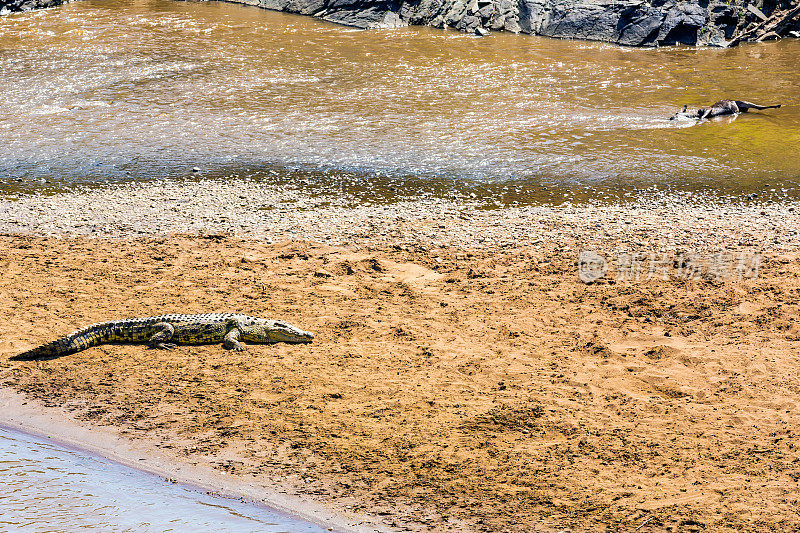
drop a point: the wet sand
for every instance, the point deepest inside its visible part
(460, 379)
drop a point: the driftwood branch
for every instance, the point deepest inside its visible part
(777, 25)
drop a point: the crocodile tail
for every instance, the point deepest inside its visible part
(744, 106)
(50, 350)
(70, 344)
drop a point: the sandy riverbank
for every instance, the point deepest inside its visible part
(462, 378)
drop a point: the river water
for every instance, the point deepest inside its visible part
(46, 487)
(113, 90)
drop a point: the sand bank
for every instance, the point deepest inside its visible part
(462, 377)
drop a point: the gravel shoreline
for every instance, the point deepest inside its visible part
(655, 221)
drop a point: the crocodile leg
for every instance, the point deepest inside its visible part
(231, 340)
(159, 340)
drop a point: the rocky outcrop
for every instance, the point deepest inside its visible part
(365, 14)
(625, 22)
(12, 6)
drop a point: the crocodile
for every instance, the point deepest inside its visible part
(723, 107)
(167, 331)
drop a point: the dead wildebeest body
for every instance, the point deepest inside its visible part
(723, 107)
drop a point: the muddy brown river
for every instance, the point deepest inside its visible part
(111, 90)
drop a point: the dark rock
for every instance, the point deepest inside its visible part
(469, 23)
(497, 23)
(304, 7)
(12, 6)
(421, 12)
(456, 13)
(363, 14)
(505, 6)
(682, 23)
(512, 24)
(277, 5)
(642, 29)
(627, 23)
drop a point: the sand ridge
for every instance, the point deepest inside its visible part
(446, 389)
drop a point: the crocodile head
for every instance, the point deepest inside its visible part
(687, 113)
(267, 331)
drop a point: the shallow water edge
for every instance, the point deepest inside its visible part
(21, 414)
(49, 485)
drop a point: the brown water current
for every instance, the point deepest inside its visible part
(112, 90)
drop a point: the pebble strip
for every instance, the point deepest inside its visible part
(257, 210)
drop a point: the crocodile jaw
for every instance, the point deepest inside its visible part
(268, 331)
